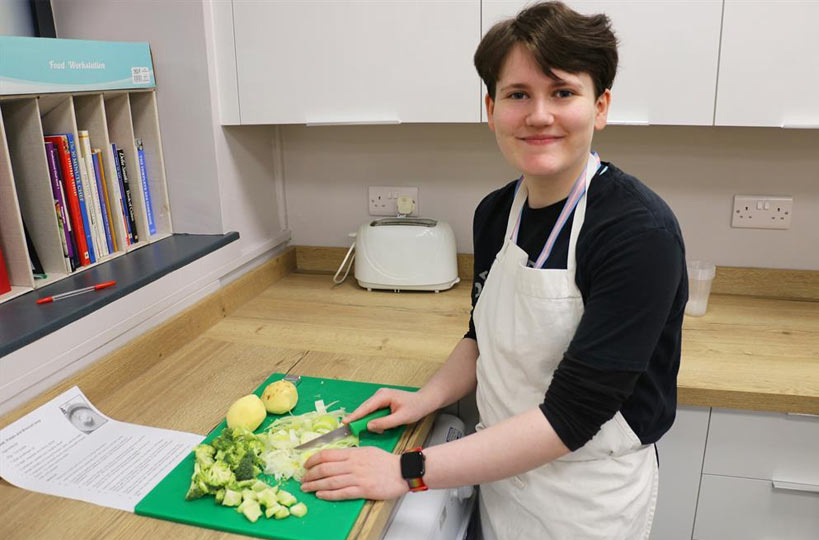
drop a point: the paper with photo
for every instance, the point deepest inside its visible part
(68, 448)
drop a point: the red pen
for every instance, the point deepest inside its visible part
(60, 296)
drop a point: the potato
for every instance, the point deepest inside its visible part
(280, 397)
(247, 412)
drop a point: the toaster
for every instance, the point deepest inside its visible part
(406, 253)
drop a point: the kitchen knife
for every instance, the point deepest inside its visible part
(353, 428)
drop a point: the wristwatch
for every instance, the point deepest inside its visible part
(413, 469)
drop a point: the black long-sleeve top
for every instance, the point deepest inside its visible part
(625, 353)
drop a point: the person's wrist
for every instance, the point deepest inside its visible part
(401, 485)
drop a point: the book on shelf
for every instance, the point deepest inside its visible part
(122, 171)
(70, 189)
(63, 223)
(86, 162)
(81, 180)
(146, 190)
(92, 202)
(119, 195)
(108, 216)
(5, 283)
(33, 257)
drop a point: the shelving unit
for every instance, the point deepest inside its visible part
(25, 192)
(112, 109)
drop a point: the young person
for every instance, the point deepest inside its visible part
(574, 342)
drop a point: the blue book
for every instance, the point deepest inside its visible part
(106, 225)
(146, 191)
(75, 164)
(123, 199)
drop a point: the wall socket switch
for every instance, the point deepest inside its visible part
(383, 199)
(762, 212)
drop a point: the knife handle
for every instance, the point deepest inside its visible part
(357, 426)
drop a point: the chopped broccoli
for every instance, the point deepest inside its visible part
(286, 498)
(258, 485)
(195, 491)
(267, 498)
(281, 513)
(219, 496)
(218, 474)
(232, 498)
(231, 460)
(250, 509)
(298, 510)
(249, 494)
(241, 484)
(247, 469)
(204, 455)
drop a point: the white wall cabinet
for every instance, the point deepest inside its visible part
(351, 62)
(768, 71)
(394, 61)
(668, 53)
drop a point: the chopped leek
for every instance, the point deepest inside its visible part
(280, 456)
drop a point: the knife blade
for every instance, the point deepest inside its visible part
(353, 428)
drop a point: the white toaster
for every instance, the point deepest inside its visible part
(406, 253)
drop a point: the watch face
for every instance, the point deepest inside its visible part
(412, 465)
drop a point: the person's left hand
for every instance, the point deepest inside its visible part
(352, 473)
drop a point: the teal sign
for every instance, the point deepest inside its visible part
(41, 65)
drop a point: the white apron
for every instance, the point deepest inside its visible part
(524, 319)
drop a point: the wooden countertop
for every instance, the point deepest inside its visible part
(746, 353)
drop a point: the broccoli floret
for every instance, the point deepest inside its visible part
(246, 468)
(198, 488)
(219, 496)
(218, 474)
(204, 455)
(250, 509)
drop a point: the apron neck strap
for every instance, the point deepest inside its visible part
(575, 195)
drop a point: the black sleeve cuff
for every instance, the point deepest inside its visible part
(581, 399)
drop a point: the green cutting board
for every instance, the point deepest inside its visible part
(325, 520)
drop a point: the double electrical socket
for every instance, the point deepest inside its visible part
(762, 212)
(383, 200)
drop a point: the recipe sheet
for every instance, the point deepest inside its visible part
(68, 448)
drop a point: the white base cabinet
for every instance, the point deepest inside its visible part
(748, 509)
(681, 453)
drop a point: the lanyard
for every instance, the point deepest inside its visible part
(577, 192)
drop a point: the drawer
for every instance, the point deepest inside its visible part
(744, 509)
(767, 446)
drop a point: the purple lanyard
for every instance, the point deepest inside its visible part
(577, 192)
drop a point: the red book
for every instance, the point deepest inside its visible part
(5, 286)
(60, 142)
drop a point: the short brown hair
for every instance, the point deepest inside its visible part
(558, 37)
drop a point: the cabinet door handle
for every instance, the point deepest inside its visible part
(809, 415)
(795, 486)
(359, 122)
(800, 126)
(627, 123)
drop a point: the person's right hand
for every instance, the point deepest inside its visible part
(406, 407)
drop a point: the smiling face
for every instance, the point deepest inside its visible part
(544, 126)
